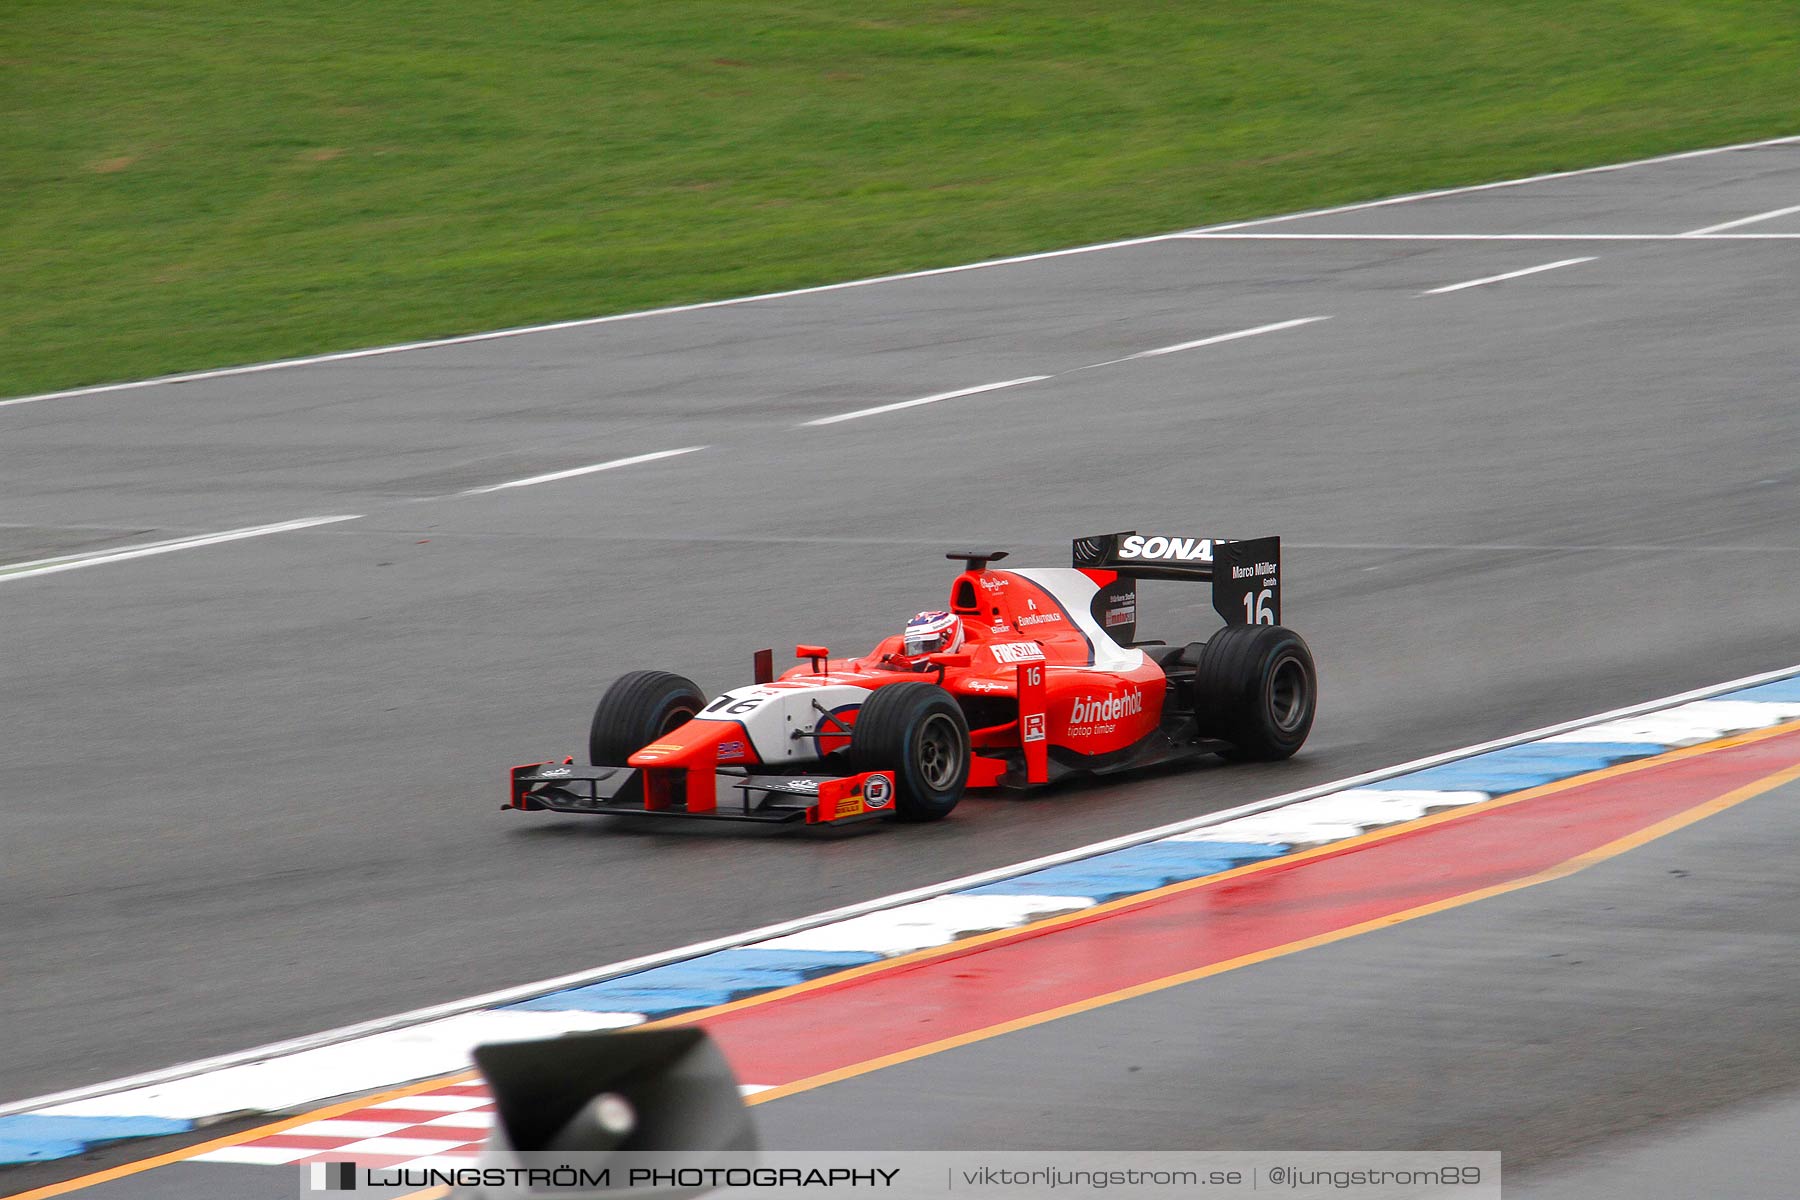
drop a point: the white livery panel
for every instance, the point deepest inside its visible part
(773, 713)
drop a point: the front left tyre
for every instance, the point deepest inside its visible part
(637, 709)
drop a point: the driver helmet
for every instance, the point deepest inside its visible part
(932, 633)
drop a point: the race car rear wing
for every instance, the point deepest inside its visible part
(1245, 573)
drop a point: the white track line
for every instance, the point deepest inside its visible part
(1723, 226)
(1178, 347)
(579, 323)
(74, 562)
(1009, 383)
(1428, 237)
(1486, 237)
(572, 472)
(1467, 189)
(933, 399)
(1487, 547)
(799, 924)
(585, 322)
(1469, 283)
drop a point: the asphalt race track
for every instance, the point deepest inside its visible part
(254, 786)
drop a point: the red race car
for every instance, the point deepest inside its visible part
(1028, 676)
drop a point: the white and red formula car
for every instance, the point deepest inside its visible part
(1028, 676)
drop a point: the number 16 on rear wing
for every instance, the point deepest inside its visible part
(1245, 573)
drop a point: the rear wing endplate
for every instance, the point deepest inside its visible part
(1245, 572)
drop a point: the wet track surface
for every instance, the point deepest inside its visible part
(1636, 995)
(253, 789)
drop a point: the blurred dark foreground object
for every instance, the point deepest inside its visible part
(586, 1097)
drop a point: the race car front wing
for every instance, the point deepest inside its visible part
(565, 787)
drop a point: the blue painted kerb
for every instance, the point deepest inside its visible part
(31, 1137)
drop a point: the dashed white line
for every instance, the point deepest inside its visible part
(74, 562)
(932, 399)
(1217, 338)
(1469, 283)
(1751, 220)
(1009, 383)
(572, 472)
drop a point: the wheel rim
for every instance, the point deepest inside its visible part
(939, 752)
(1287, 694)
(676, 719)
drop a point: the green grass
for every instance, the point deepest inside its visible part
(191, 184)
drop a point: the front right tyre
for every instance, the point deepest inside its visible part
(917, 731)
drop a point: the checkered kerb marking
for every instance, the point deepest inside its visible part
(439, 1128)
(444, 1127)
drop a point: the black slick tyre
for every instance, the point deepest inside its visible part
(636, 710)
(1255, 686)
(917, 731)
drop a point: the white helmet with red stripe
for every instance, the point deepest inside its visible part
(932, 633)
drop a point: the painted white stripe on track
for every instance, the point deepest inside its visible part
(1292, 826)
(1468, 189)
(926, 923)
(357, 1129)
(413, 1147)
(1371, 808)
(932, 399)
(74, 562)
(1469, 283)
(1215, 340)
(1486, 237)
(1700, 721)
(255, 1156)
(572, 472)
(1332, 817)
(449, 1105)
(671, 310)
(1217, 824)
(1750, 220)
(345, 1068)
(557, 326)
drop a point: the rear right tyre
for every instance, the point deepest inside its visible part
(1255, 686)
